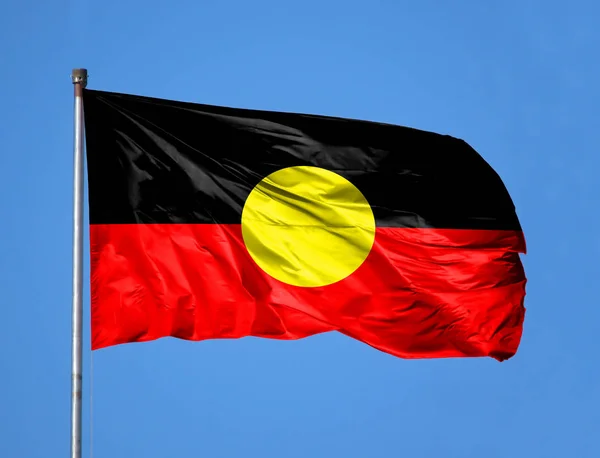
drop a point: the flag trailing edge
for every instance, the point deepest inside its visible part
(211, 222)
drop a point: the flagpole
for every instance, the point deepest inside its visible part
(79, 79)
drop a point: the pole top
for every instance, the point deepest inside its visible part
(79, 76)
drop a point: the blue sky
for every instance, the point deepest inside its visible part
(518, 80)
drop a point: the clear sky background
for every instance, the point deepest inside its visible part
(518, 80)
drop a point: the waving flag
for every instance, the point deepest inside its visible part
(211, 222)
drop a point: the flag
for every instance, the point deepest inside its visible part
(212, 222)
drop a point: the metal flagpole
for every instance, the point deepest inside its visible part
(79, 79)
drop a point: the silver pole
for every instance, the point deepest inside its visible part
(79, 78)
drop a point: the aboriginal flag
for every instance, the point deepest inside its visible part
(210, 222)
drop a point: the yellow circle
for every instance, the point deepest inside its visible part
(307, 226)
